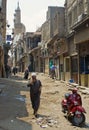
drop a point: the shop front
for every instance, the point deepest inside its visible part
(84, 64)
(81, 39)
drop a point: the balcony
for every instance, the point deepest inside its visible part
(81, 21)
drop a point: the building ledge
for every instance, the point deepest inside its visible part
(80, 23)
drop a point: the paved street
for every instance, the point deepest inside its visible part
(15, 107)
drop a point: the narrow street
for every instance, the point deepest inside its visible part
(15, 107)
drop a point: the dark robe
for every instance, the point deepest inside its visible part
(35, 91)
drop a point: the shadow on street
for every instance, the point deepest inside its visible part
(13, 104)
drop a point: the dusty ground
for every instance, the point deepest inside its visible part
(16, 111)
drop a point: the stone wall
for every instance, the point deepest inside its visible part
(2, 73)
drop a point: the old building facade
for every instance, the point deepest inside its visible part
(52, 36)
(32, 40)
(77, 29)
(2, 35)
(63, 40)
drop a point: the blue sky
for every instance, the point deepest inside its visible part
(33, 12)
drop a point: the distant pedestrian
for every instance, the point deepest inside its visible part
(14, 70)
(26, 73)
(35, 92)
(50, 65)
(7, 70)
(53, 73)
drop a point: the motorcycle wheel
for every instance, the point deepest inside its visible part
(78, 121)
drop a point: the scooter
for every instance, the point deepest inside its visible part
(75, 114)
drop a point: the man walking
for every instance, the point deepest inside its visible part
(35, 91)
(53, 73)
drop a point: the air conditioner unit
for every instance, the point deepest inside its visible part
(39, 43)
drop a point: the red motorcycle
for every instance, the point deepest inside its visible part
(75, 111)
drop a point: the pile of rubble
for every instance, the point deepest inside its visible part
(48, 121)
(84, 90)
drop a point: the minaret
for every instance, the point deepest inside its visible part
(4, 8)
(18, 26)
(17, 15)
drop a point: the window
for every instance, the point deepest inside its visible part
(80, 7)
(84, 64)
(75, 14)
(27, 42)
(55, 22)
(70, 19)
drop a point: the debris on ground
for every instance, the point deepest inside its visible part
(45, 122)
(85, 92)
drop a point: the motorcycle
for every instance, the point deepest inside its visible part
(76, 113)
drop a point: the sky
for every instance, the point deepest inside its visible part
(33, 12)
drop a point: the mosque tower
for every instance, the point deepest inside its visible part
(18, 26)
(17, 15)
